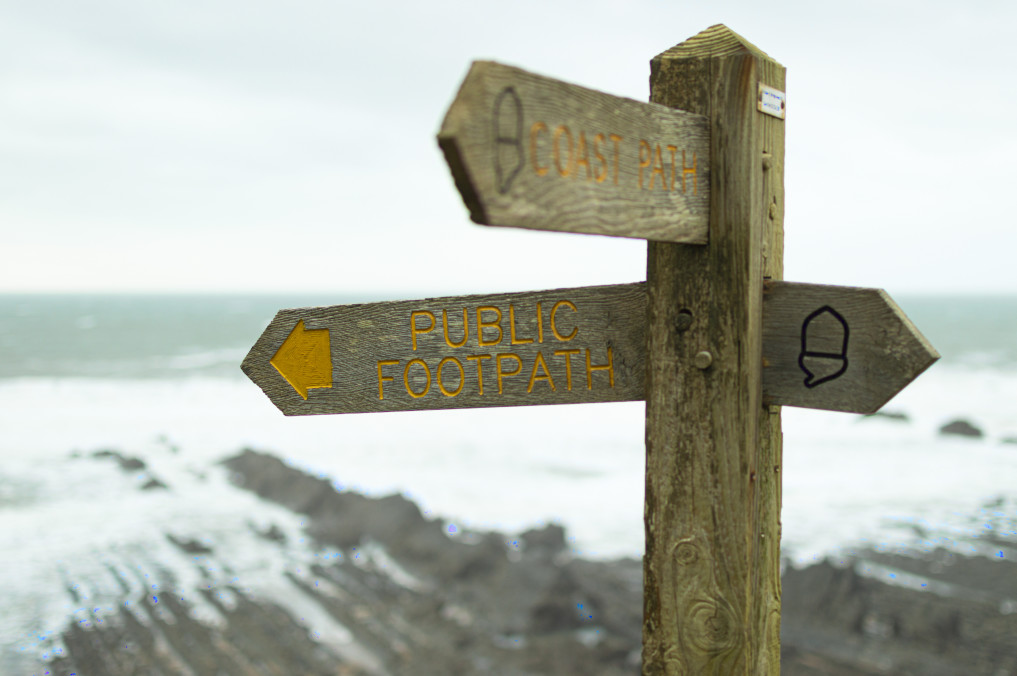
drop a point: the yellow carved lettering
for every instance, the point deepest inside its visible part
(539, 362)
(441, 382)
(406, 379)
(686, 170)
(554, 324)
(382, 378)
(672, 150)
(583, 155)
(645, 158)
(417, 330)
(566, 170)
(658, 170)
(590, 368)
(466, 329)
(502, 373)
(479, 358)
(481, 325)
(568, 365)
(617, 151)
(534, 132)
(512, 329)
(600, 173)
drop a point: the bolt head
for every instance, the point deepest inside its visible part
(703, 360)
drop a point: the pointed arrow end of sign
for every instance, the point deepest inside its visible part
(838, 348)
(304, 359)
(453, 135)
(911, 350)
(454, 157)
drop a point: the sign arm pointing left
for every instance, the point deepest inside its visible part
(304, 359)
(527, 151)
(828, 347)
(560, 346)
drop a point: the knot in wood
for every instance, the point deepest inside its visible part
(713, 628)
(686, 553)
(673, 664)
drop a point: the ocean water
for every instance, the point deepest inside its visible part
(157, 378)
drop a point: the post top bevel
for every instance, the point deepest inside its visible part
(716, 41)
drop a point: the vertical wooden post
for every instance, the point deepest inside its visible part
(713, 450)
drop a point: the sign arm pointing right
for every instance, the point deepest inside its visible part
(837, 348)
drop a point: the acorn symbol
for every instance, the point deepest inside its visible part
(508, 138)
(824, 346)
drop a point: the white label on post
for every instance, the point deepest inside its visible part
(771, 101)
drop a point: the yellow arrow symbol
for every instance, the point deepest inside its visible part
(305, 359)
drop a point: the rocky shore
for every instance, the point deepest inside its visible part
(404, 596)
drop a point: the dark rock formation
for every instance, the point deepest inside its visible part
(416, 601)
(961, 428)
(188, 545)
(154, 484)
(959, 623)
(126, 463)
(896, 416)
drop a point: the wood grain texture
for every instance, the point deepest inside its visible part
(532, 152)
(838, 348)
(711, 568)
(587, 346)
(885, 350)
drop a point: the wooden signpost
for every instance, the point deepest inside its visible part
(565, 346)
(837, 348)
(531, 152)
(828, 347)
(713, 341)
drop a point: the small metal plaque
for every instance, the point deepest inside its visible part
(771, 101)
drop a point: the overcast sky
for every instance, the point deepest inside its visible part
(258, 146)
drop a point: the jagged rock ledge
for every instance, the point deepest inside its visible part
(412, 600)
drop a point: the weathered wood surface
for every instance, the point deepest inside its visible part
(838, 348)
(711, 571)
(531, 152)
(562, 346)
(854, 366)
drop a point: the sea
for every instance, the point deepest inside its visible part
(88, 383)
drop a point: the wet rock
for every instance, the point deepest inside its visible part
(561, 607)
(189, 546)
(961, 428)
(547, 541)
(273, 533)
(898, 416)
(416, 601)
(520, 614)
(257, 638)
(952, 625)
(154, 484)
(127, 464)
